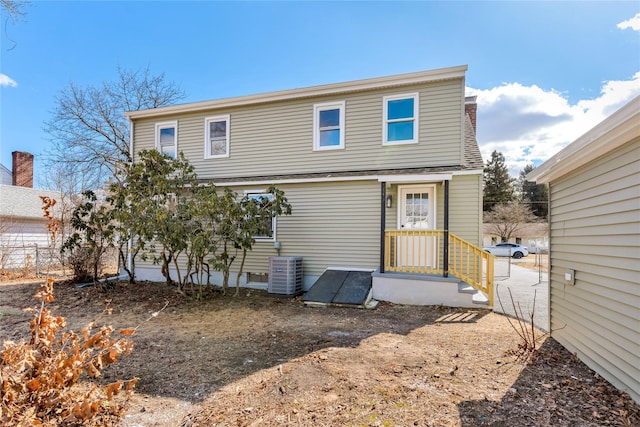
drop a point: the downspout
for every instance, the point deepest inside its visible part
(130, 243)
(383, 220)
(445, 252)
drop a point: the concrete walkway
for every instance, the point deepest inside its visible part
(525, 284)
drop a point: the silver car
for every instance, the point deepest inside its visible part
(508, 249)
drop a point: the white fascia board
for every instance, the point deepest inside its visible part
(295, 180)
(616, 130)
(468, 172)
(392, 179)
(406, 179)
(328, 89)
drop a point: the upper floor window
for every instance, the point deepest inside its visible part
(216, 136)
(328, 126)
(400, 119)
(167, 138)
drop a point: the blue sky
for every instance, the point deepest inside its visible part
(544, 72)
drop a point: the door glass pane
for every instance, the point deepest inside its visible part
(416, 210)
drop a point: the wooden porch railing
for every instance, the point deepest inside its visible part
(422, 252)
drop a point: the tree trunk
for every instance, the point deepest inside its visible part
(244, 256)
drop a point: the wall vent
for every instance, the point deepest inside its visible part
(285, 275)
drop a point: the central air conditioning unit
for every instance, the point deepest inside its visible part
(285, 275)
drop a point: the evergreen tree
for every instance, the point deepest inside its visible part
(534, 195)
(498, 185)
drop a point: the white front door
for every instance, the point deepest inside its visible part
(416, 212)
(417, 208)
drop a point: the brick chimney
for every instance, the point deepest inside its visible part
(470, 108)
(22, 169)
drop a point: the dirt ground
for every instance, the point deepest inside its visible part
(256, 360)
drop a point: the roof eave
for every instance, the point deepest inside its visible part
(616, 130)
(328, 89)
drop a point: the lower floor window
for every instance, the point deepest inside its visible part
(267, 224)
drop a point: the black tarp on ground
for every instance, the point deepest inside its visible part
(340, 287)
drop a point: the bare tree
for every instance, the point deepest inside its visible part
(14, 12)
(506, 219)
(14, 9)
(89, 133)
(8, 241)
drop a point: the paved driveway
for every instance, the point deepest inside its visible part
(525, 285)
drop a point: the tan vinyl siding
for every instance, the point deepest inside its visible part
(331, 225)
(277, 138)
(595, 230)
(465, 208)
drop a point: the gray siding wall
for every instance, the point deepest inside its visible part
(276, 138)
(595, 230)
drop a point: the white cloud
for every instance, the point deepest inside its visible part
(7, 81)
(529, 124)
(633, 23)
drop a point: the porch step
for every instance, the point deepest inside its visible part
(478, 297)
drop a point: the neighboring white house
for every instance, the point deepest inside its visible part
(24, 236)
(594, 195)
(6, 178)
(534, 235)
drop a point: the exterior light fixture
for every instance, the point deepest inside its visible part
(389, 201)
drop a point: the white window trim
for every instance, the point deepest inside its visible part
(317, 108)
(207, 146)
(166, 125)
(385, 122)
(263, 192)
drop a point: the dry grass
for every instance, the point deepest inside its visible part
(257, 360)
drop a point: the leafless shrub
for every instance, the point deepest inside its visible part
(525, 329)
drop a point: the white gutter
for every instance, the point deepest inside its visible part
(328, 89)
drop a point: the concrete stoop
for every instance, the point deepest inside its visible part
(416, 289)
(477, 297)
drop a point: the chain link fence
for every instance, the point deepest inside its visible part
(28, 259)
(32, 259)
(537, 261)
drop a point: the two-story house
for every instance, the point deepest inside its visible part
(383, 174)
